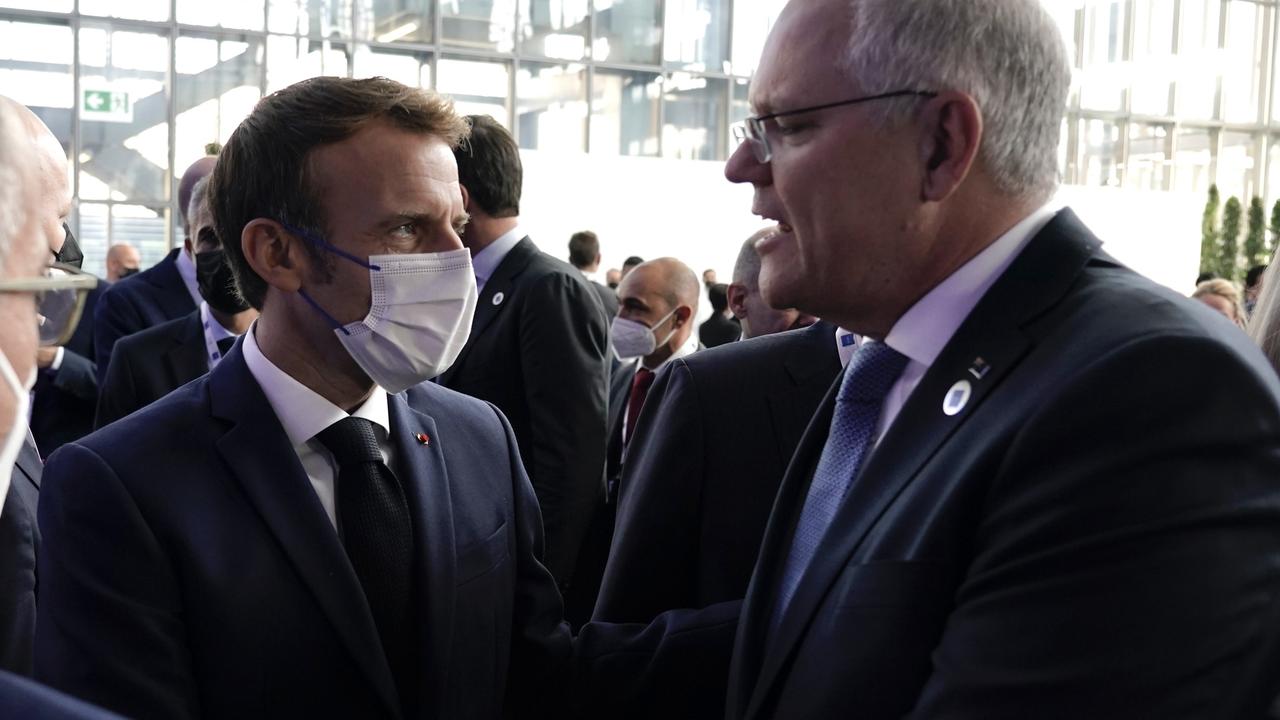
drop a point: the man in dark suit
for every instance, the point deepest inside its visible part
(66, 391)
(584, 254)
(150, 364)
(166, 291)
(718, 329)
(709, 452)
(1010, 505)
(538, 345)
(19, 548)
(326, 535)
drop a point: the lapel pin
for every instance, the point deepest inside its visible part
(979, 368)
(957, 397)
(498, 298)
(423, 438)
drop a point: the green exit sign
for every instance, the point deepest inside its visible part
(105, 105)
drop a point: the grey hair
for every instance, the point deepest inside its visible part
(1264, 324)
(1008, 55)
(199, 192)
(15, 163)
(746, 271)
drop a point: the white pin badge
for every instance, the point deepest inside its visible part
(498, 298)
(957, 397)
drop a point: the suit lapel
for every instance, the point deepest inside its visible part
(28, 461)
(811, 366)
(426, 483)
(267, 468)
(991, 337)
(186, 359)
(498, 288)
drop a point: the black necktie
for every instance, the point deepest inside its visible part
(378, 536)
(225, 345)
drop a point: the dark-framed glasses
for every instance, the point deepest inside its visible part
(60, 294)
(754, 130)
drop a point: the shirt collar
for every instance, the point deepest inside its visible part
(488, 259)
(927, 327)
(302, 412)
(846, 344)
(689, 347)
(214, 328)
(187, 271)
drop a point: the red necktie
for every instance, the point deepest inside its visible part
(639, 389)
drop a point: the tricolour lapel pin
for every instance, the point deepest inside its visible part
(956, 398)
(498, 298)
(423, 438)
(979, 368)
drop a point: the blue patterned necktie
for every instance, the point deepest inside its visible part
(872, 371)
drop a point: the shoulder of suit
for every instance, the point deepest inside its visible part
(449, 406)
(183, 417)
(170, 332)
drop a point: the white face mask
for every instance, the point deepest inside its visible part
(632, 339)
(17, 431)
(419, 319)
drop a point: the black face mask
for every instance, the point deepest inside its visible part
(70, 253)
(217, 286)
(127, 272)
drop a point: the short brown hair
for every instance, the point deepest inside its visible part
(264, 171)
(584, 248)
(489, 167)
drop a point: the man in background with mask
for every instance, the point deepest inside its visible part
(149, 365)
(658, 302)
(166, 291)
(312, 530)
(123, 260)
(25, 242)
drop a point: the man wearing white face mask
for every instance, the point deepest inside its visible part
(311, 530)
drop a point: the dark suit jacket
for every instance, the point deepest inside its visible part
(1093, 535)
(718, 330)
(65, 399)
(608, 298)
(137, 302)
(22, 698)
(150, 364)
(19, 547)
(189, 569)
(538, 350)
(713, 440)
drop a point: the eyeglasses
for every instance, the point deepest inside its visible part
(60, 296)
(753, 128)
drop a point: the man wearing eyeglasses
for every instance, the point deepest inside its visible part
(1008, 505)
(28, 292)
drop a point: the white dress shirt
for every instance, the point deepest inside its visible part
(187, 271)
(927, 327)
(303, 414)
(488, 259)
(213, 332)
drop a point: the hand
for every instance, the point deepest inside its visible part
(45, 356)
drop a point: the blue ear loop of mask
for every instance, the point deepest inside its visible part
(324, 244)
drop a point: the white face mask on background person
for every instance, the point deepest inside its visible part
(633, 339)
(17, 431)
(419, 318)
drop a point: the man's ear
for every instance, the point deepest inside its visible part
(466, 198)
(276, 255)
(737, 300)
(950, 137)
(684, 314)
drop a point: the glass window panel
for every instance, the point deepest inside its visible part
(1101, 153)
(1200, 62)
(35, 70)
(315, 18)
(1192, 160)
(132, 10)
(216, 86)
(697, 34)
(1148, 164)
(1273, 175)
(58, 6)
(751, 22)
(628, 31)
(739, 110)
(124, 129)
(693, 120)
(479, 24)
(1102, 84)
(91, 234)
(292, 59)
(477, 87)
(1237, 165)
(554, 28)
(239, 14)
(1242, 79)
(142, 227)
(624, 112)
(410, 67)
(387, 21)
(1153, 62)
(551, 106)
